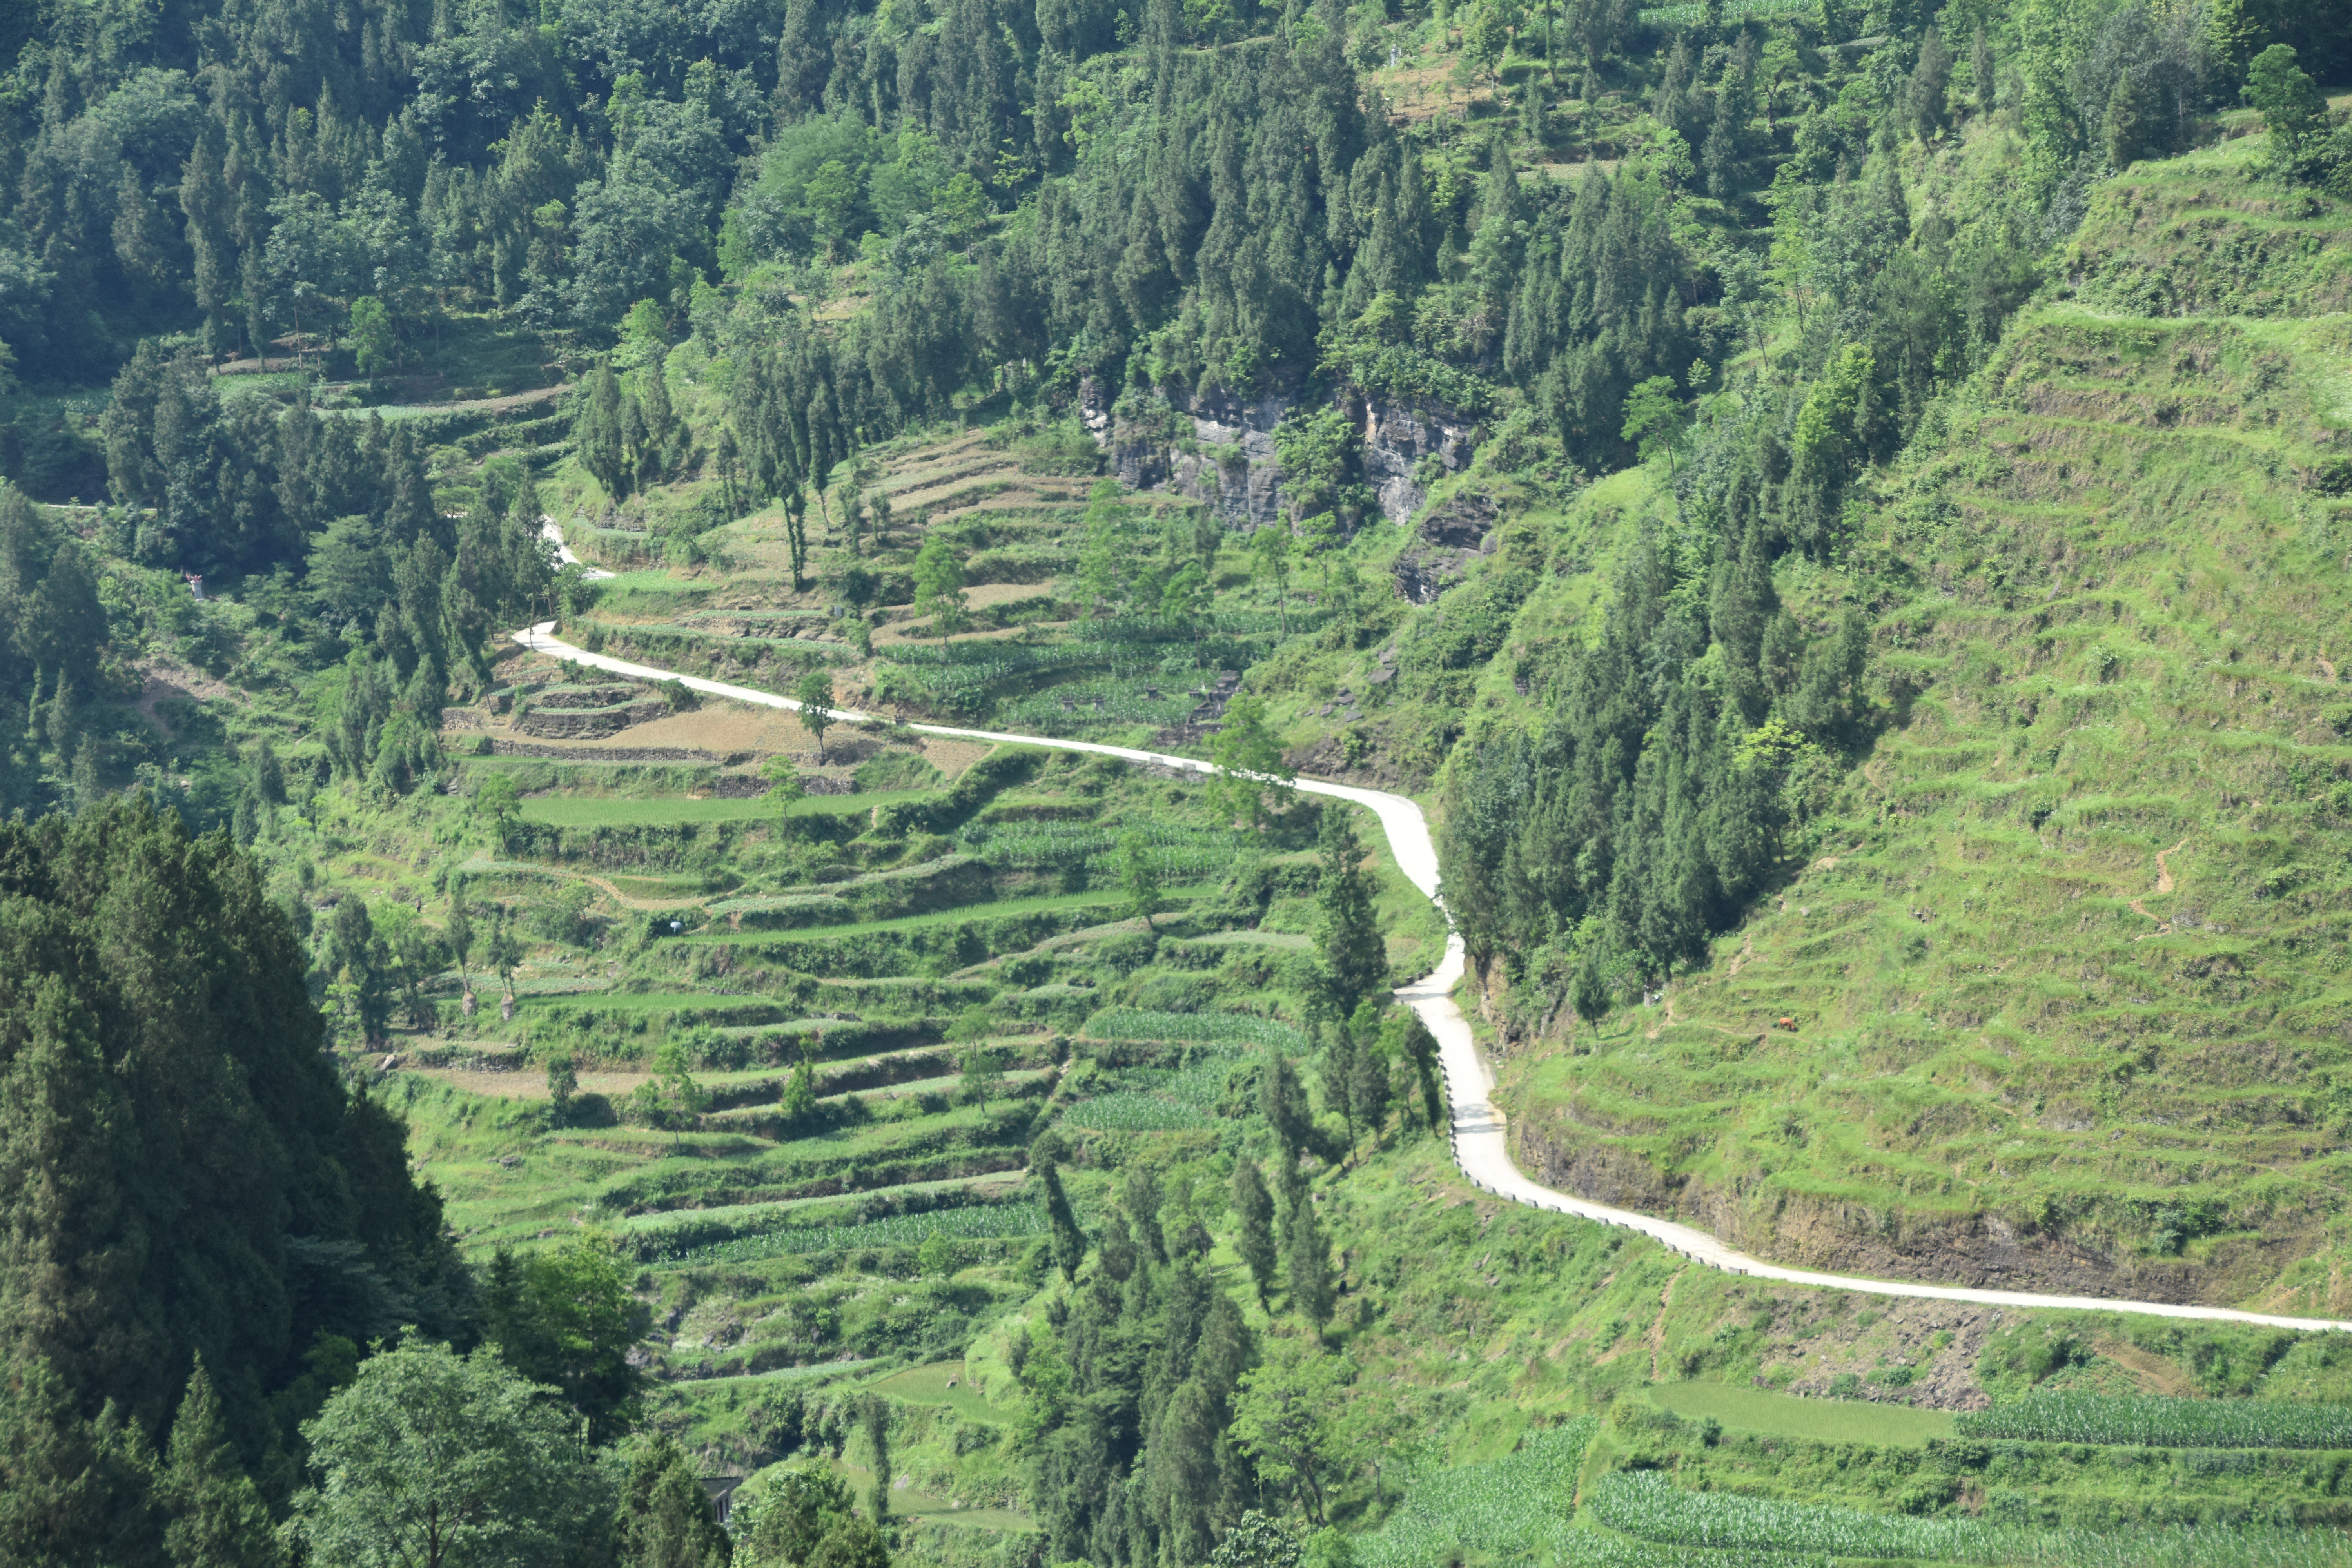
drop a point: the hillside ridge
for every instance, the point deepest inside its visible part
(1476, 1132)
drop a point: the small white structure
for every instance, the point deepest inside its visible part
(195, 583)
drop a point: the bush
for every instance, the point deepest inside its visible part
(564, 916)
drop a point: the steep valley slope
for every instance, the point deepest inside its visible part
(2053, 997)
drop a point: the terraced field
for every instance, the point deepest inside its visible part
(1042, 652)
(814, 1040)
(2053, 1002)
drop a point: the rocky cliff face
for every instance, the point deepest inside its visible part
(1397, 437)
(1218, 448)
(1448, 539)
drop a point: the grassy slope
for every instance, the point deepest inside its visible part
(2111, 591)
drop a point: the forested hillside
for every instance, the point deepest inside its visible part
(1837, 507)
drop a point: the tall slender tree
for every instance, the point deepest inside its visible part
(217, 1512)
(1069, 1241)
(1347, 924)
(1254, 1226)
(1307, 1261)
(597, 431)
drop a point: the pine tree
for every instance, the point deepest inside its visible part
(1368, 1090)
(643, 466)
(1181, 1469)
(1308, 1257)
(1338, 1076)
(665, 432)
(217, 1517)
(1140, 1195)
(76, 1491)
(204, 198)
(795, 530)
(1929, 81)
(728, 458)
(876, 1421)
(1253, 1239)
(598, 431)
(1282, 1104)
(1103, 561)
(1418, 1047)
(666, 1514)
(1347, 925)
(1069, 1241)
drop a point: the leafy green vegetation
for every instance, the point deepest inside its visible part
(1817, 1420)
(2159, 1423)
(1513, 1507)
(1837, 509)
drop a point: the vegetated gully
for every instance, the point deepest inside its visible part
(1480, 1145)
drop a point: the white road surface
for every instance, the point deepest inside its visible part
(563, 556)
(1481, 1144)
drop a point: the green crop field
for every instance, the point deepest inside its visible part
(947, 1384)
(2157, 1423)
(1818, 1420)
(1518, 1506)
(1650, 1507)
(588, 811)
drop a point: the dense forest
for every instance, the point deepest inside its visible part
(743, 245)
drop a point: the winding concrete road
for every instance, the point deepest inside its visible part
(1481, 1143)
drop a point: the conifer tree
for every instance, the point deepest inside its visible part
(876, 1421)
(1308, 1259)
(563, 1083)
(76, 1491)
(1346, 926)
(597, 431)
(1254, 1236)
(1069, 1241)
(665, 433)
(795, 530)
(1283, 1105)
(666, 1514)
(1418, 1047)
(217, 1517)
(1102, 561)
(1140, 1195)
(1368, 1090)
(1337, 1075)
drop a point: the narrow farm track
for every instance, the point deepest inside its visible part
(1479, 1133)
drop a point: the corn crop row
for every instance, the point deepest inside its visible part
(2152, 1421)
(1733, 10)
(1099, 702)
(1518, 1506)
(1175, 851)
(1647, 1505)
(1599, 1549)
(1140, 1024)
(1133, 1110)
(971, 1223)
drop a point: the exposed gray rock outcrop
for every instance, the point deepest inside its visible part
(1226, 459)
